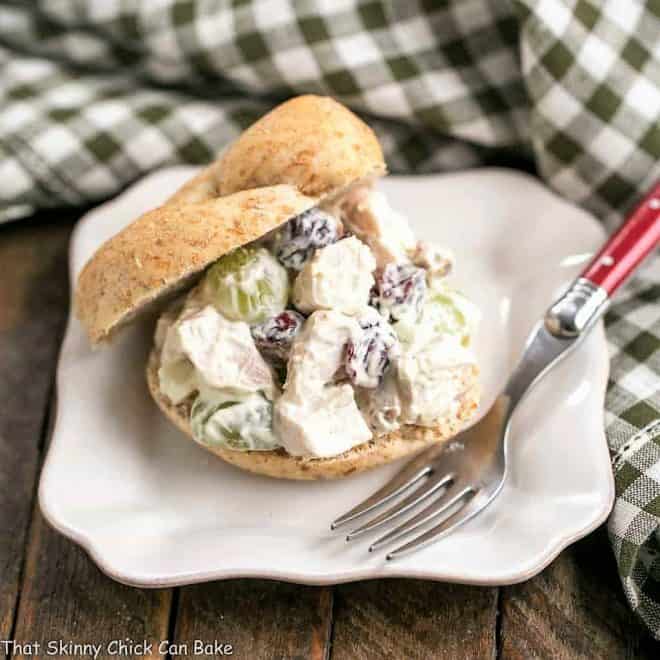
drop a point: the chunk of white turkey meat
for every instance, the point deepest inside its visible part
(314, 416)
(325, 424)
(337, 277)
(367, 214)
(318, 350)
(431, 379)
(204, 348)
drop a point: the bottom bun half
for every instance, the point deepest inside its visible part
(406, 441)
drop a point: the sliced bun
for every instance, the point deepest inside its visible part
(202, 187)
(279, 464)
(310, 146)
(164, 250)
(310, 142)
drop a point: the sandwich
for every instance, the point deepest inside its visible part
(304, 332)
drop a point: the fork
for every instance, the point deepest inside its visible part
(458, 480)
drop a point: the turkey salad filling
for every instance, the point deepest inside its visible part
(334, 329)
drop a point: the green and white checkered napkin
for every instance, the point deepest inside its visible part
(94, 93)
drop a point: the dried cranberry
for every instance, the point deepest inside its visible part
(368, 356)
(399, 291)
(274, 336)
(303, 234)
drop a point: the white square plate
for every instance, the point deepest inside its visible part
(154, 509)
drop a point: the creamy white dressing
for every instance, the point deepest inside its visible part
(326, 423)
(177, 376)
(319, 414)
(241, 422)
(247, 284)
(429, 379)
(315, 417)
(248, 422)
(201, 346)
(367, 214)
(381, 406)
(317, 351)
(445, 312)
(423, 385)
(338, 277)
(248, 280)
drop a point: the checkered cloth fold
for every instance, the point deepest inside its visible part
(95, 93)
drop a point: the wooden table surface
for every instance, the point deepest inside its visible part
(51, 590)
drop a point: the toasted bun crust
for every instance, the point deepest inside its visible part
(279, 464)
(202, 187)
(310, 146)
(310, 142)
(163, 250)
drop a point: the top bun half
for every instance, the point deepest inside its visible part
(164, 250)
(310, 142)
(304, 150)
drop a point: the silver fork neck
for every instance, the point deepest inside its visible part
(582, 305)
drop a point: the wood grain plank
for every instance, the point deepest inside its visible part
(33, 303)
(259, 618)
(60, 593)
(574, 609)
(65, 597)
(411, 619)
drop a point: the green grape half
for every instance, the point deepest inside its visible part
(248, 284)
(447, 317)
(245, 424)
(445, 312)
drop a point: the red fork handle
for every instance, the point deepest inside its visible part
(628, 246)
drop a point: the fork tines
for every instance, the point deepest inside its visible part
(451, 499)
